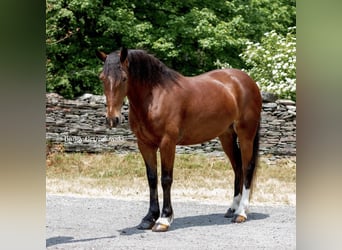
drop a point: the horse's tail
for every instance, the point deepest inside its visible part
(255, 159)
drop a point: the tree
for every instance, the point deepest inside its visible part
(189, 36)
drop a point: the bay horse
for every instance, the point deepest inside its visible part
(168, 109)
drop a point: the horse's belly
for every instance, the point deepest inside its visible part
(193, 140)
(199, 133)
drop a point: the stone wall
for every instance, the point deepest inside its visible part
(79, 126)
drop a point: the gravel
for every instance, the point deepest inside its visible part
(107, 223)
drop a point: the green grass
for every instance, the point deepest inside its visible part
(194, 174)
(94, 166)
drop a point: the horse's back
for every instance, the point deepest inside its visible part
(241, 86)
(235, 78)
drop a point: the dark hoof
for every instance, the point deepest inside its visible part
(230, 213)
(146, 225)
(238, 219)
(160, 227)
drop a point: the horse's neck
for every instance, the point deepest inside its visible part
(139, 99)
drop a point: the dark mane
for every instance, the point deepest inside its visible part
(147, 69)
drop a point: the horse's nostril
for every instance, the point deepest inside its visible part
(109, 122)
(112, 122)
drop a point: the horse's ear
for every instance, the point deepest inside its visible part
(101, 55)
(123, 54)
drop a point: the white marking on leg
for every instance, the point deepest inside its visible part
(244, 202)
(236, 202)
(165, 220)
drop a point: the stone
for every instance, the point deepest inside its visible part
(80, 125)
(270, 105)
(286, 102)
(60, 122)
(85, 97)
(293, 113)
(50, 120)
(268, 97)
(291, 108)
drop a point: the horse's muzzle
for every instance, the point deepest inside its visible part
(112, 122)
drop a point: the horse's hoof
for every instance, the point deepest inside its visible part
(160, 227)
(230, 213)
(162, 224)
(146, 225)
(238, 219)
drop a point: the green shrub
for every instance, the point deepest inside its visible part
(272, 63)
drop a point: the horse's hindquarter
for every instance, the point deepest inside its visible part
(210, 108)
(215, 100)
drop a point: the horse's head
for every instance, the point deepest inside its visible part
(114, 78)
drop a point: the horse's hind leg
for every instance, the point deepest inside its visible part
(231, 148)
(248, 134)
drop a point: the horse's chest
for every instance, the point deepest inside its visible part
(146, 127)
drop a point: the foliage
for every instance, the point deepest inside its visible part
(189, 36)
(273, 63)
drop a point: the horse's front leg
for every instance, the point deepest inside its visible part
(167, 154)
(149, 154)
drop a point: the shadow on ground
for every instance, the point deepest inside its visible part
(67, 239)
(197, 221)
